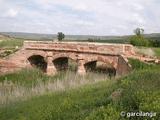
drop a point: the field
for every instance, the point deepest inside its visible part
(157, 51)
(97, 99)
(10, 43)
(31, 95)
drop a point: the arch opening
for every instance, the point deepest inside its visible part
(100, 67)
(38, 61)
(65, 64)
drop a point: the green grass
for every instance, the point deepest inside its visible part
(9, 46)
(74, 104)
(31, 77)
(157, 51)
(137, 65)
(139, 91)
(27, 83)
(11, 43)
(25, 77)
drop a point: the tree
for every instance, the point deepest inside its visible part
(138, 39)
(60, 36)
(139, 31)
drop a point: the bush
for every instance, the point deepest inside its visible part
(136, 64)
(105, 113)
(141, 92)
(139, 41)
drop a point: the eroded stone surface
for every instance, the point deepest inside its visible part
(82, 53)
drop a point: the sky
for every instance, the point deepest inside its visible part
(80, 17)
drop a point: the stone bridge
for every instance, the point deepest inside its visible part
(48, 55)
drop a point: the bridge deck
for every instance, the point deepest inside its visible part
(101, 48)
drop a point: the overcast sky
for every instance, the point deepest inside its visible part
(94, 17)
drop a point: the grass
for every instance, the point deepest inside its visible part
(157, 51)
(28, 83)
(30, 77)
(9, 46)
(25, 77)
(103, 100)
(31, 95)
(140, 92)
(11, 43)
(152, 51)
(73, 104)
(137, 65)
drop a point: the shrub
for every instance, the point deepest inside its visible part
(139, 41)
(136, 64)
(141, 92)
(104, 113)
(154, 43)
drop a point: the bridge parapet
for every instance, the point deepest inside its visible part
(100, 48)
(48, 55)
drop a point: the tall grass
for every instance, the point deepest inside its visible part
(74, 104)
(28, 83)
(103, 100)
(137, 65)
(64, 98)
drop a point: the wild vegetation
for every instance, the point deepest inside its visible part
(140, 40)
(96, 100)
(157, 51)
(32, 95)
(9, 46)
(10, 43)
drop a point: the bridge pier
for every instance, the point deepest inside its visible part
(51, 69)
(45, 55)
(123, 66)
(81, 68)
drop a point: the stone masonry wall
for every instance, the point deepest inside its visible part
(80, 52)
(114, 49)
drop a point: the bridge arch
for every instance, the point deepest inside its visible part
(37, 61)
(65, 61)
(35, 52)
(65, 55)
(100, 64)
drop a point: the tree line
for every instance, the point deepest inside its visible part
(137, 40)
(140, 40)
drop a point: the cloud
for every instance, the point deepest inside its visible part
(100, 17)
(11, 13)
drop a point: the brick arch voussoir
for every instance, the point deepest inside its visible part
(100, 59)
(34, 53)
(65, 55)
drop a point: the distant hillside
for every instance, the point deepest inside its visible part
(28, 35)
(2, 36)
(36, 36)
(153, 36)
(54, 36)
